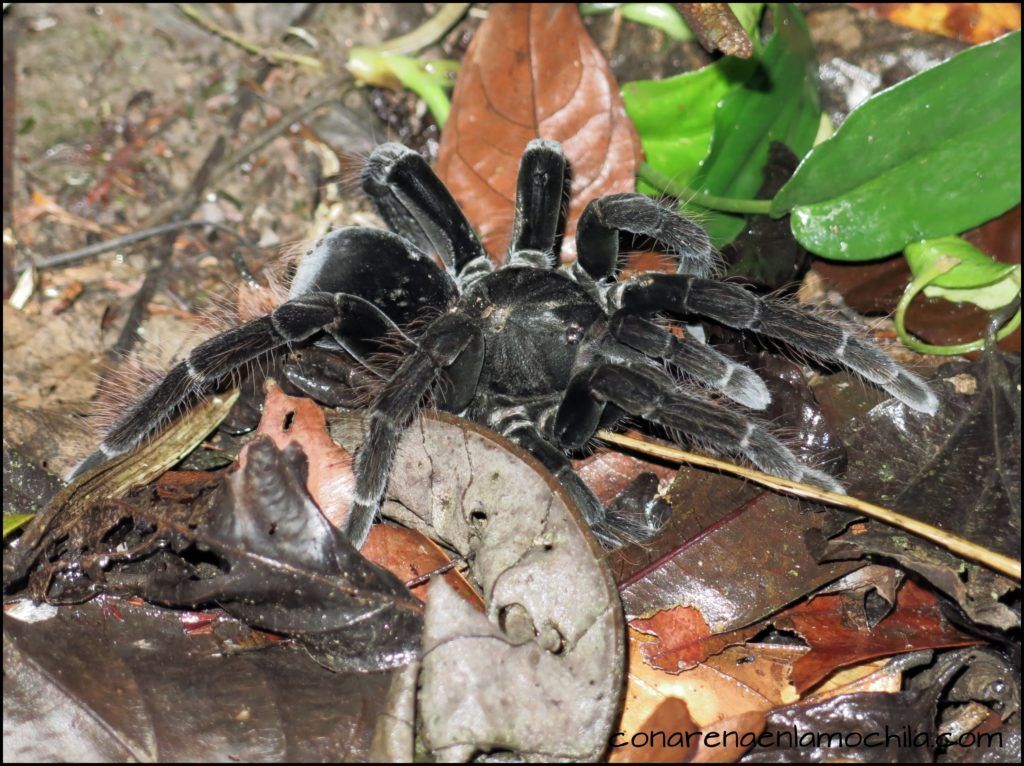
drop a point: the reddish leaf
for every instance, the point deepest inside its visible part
(288, 419)
(837, 638)
(533, 71)
(607, 473)
(410, 554)
(684, 638)
(404, 552)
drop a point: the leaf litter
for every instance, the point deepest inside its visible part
(806, 578)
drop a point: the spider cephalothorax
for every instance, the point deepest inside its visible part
(543, 355)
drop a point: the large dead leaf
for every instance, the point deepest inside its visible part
(532, 71)
(854, 728)
(838, 636)
(540, 673)
(116, 681)
(735, 554)
(959, 470)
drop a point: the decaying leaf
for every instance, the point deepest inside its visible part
(838, 637)
(736, 554)
(540, 675)
(297, 420)
(532, 71)
(118, 681)
(839, 728)
(289, 571)
(959, 471)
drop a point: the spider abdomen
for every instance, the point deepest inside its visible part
(534, 323)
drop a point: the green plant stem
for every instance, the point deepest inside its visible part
(426, 34)
(919, 283)
(689, 196)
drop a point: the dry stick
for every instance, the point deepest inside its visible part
(997, 561)
(72, 256)
(273, 56)
(443, 569)
(426, 34)
(717, 28)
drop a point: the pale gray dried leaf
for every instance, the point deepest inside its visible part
(541, 674)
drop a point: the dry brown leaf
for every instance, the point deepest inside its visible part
(406, 553)
(533, 71)
(330, 481)
(970, 22)
(742, 679)
(683, 638)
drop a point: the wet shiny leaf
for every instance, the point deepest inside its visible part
(117, 681)
(870, 189)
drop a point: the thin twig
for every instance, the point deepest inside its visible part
(455, 562)
(273, 56)
(717, 28)
(63, 259)
(962, 547)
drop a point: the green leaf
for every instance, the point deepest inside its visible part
(675, 117)
(779, 102)
(972, 277)
(16, 521)
(935, 155)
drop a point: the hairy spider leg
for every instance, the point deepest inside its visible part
(451, 343)
(612, 530)
(734, 306)
(694, 358)
(414, 203)
(539, 189)
(650, 394)
(210, 362)
(597, 235)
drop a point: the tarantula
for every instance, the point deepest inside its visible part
(543, 355)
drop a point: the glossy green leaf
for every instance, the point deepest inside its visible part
(932, 156)
(779, 102)
(675, 117)
(663, 16)
(972, 277)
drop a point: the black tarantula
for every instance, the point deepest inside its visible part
(543, 355)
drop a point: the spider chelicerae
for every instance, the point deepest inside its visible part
(543, 355)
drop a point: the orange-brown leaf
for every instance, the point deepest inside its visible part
(330, 481)
(533, 71)
(683, 638)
